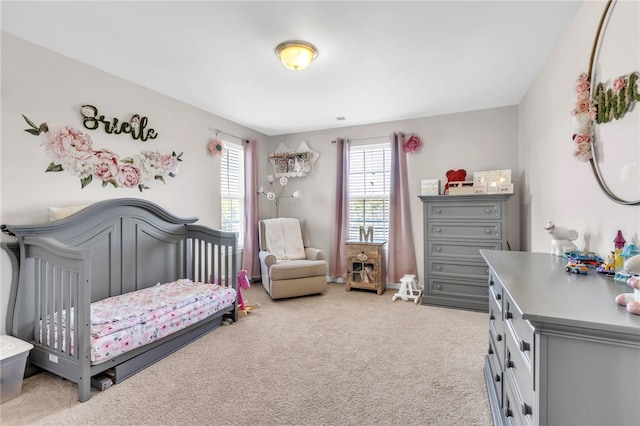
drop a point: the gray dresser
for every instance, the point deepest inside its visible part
(561, 352)
(456, 228)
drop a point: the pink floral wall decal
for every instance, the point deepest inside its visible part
(71, 150)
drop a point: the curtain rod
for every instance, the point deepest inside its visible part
(229, 134)
(362, 139)
(372, 137)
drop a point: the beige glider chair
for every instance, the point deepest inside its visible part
(289, 268)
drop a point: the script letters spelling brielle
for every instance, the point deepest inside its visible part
(136, 127)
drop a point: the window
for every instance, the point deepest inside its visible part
(369, 174)
(232, 190)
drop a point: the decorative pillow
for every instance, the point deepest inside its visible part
(57, 213)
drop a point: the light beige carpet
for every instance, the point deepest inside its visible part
(340, 358)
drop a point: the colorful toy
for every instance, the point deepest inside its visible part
(243, 283)
(576, 267)
(618, 243)
(561, 238)
(628, 251)
(631, 300)
(454, 176)
(607, 267)
(589, 258)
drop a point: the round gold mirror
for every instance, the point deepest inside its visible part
(615, 103)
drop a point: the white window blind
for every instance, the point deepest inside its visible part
(232, 190)
(369, 174)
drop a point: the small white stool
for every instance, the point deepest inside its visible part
(408, 289)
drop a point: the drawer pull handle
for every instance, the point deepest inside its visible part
(438, 211)
(508, 315)
(488, 230)
(499, 337)
(492, 317)
(497, 379)
(524, 346)
(488, 210)
(490, 351)
(438, 230)
(437, 248)
(439, 286)
(509, 363)
(498, 296)
(526, 409)
(438, 268)
(508, 412)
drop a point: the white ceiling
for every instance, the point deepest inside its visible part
(378, 61)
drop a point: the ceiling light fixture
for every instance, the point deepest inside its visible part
(295, 54)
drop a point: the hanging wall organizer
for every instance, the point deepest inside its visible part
(293, 162)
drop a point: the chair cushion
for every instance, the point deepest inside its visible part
(283, 238)
(298, 269)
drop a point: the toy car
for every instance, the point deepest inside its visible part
(606, 268)
(576, 267)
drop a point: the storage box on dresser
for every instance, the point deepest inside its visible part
(456, 228)
(365, 266)
(560, 352)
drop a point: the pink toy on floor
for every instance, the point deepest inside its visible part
(243, 283)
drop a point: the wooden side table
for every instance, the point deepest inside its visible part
(366, 266)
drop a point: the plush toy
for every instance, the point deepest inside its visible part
(454, 176)
(561, 239)
(243, 283)
(631, 300)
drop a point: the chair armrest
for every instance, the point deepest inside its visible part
(314, 253)
(267, 259)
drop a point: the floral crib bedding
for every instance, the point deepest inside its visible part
(128, 321)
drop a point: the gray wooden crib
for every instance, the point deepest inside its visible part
(110, 248)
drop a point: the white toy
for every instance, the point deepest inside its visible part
(408, 289)
(561, 238)
(631, 300)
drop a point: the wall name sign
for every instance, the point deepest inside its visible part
(136, 126)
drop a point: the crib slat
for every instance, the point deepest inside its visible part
(57, 308)
(64, 307)
(39, 305)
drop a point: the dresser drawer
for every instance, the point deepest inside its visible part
(519, 370)
(495, 369)
(497, 341)
(521, 329)
(496, 291)
(458, 287)
(496, 328)
(458, 268)
(372, 252)
(470, 230)
(460, 249)
(515, 411)
(462, 210)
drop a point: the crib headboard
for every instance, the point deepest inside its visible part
(134, 244)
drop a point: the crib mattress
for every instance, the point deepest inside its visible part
(122, 323)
